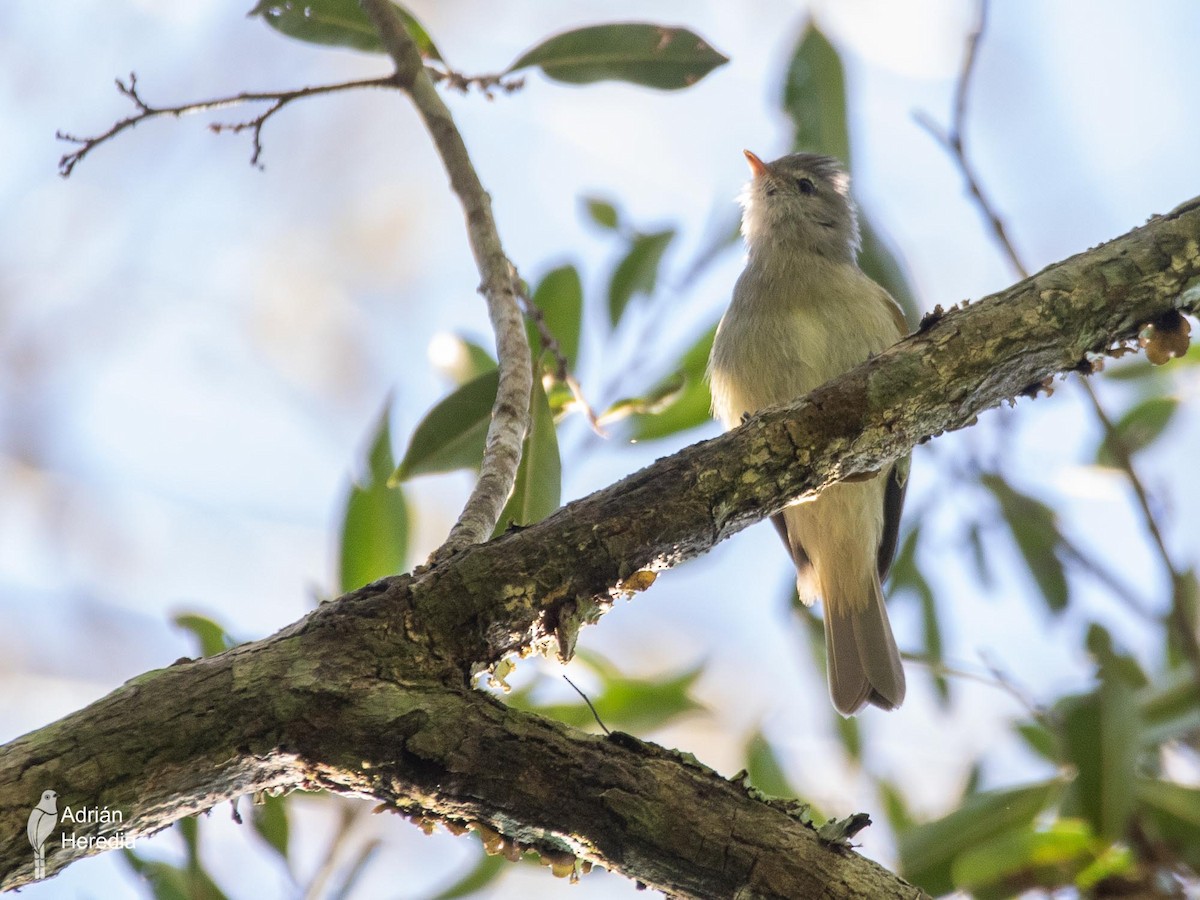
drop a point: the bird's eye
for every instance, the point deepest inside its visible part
(806, 186)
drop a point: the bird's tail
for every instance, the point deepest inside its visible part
(864, 664)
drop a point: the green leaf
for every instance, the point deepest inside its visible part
(1138, 428)
(559, 295)
(1034, 528)
(638, 52)
(460, 359)
(659, 398)
(628, 704)
(764, 769)
(270, 820)
(879, 261)
(1041, 740)
(895, 806)
(167, 882)
(1100, 737)
(536, 492)
(1174, 811)
(637, 273)
(814, 96)
(603, 213)
(693, 403)
(927, 852)
(374, 537)
(1024, 858)
(210, 636)
(452, 434)
(481, 875)
(906, 575)
(188, 882)
(338, 23)
(1170, 708)
(849, 734)
(978, 554)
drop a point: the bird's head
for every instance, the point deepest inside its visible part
(800, 202)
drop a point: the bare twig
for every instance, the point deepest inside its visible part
(953, 141)
(485, 84)
(276, 99)
(586, 700)
(500, 288)
(1179, 618)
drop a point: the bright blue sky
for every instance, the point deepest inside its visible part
(191, 350)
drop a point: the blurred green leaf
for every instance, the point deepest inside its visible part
(628, 704)
(536, 492)
(849, 734)
(481, 875)
(603, 213)
(270, 820)
(461, 359)
(979, 554)
(190, 881)
(452, 434)
(764, 769)
(1026, 858)
(1174, 813)
(210, 636)
(338, 23)
(895, 806)
(879, 261)
(693, 403)
(374, 539)
(638, 52)
(1041, 740)
(1111, 663)
(927, 852)
(659, 399)
(637, 273)
(1100, 737)
(1034, 528)
(1138, 428)
(1170, 707)
(907, 576)
(166, 882)
(814, 96)
(559, 295)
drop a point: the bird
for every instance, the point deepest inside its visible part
(802, 313)
(42, 820)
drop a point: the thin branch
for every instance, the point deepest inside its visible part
(485, 84)
(587, 700)
(1179, 618)
(277, 100)
(953, 141)
(500, 288)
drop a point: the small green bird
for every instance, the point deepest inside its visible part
(803, 312)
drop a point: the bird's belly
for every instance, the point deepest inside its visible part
(765, 360)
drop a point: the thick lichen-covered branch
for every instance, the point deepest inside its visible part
(500, 288)
(369, 695)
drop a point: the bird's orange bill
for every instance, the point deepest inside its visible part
(757, 166)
